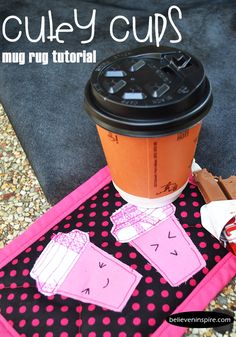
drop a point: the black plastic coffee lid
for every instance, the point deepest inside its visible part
(148, 92)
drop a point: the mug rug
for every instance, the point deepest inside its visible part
(24, 312)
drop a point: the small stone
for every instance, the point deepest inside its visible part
(19, 210)
(222, 300)
(195, 331)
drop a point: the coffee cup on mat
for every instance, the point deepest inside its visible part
(148, 105)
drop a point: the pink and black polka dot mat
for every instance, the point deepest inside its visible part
(27, 313)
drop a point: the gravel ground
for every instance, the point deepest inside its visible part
(21, 197)
(22, 201)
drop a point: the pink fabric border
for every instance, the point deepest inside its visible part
(206, 290)
(6, 330)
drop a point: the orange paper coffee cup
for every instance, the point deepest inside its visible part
(150, 168)
(148, 105)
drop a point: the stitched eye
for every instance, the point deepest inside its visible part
(156, 245)
(101, 264)
(174, 253)
(86, 291)
(171, 236)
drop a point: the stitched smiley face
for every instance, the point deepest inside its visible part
(101, 279)
(169, 249)
(87, 290)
